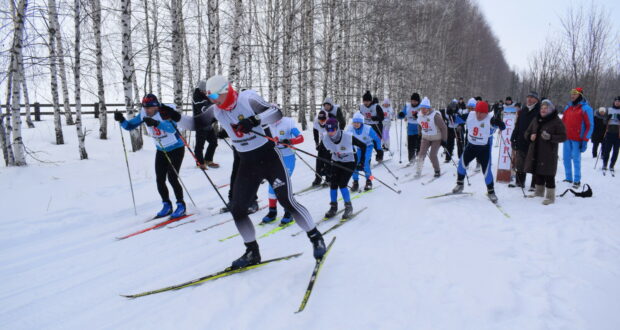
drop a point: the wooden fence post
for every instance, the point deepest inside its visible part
(37, 111)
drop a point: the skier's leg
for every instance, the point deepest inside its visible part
(161, 168)
(434, 154)
(201, 136)
(410, 147)
(368, 158)
(176, 157)
(576, 155)
(212, 140)
(246, 182)
(358, 157)
(615, 146)
(425, 145)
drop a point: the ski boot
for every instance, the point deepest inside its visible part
(368, 185)
(286, 218)
(165, 210)
(253, 207)
(458, 188)
(316, 182)
(613, 172)
(356, 185)
(271, 216)
(576, 185)
(332, 210)
(318, 245)
(492, 196)
(249, 258)
(180, 211)
(437, 174)
(348, 210)
(604, 170)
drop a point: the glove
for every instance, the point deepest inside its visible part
(169, 113)
(375, 118)
(401, 115)
(584, 146)
(285, 141)
(118, 116)
(444, 144)
(245, 125)
(222, 134)
(545, 135)
(150, 122)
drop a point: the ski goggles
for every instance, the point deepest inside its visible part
(214, 95)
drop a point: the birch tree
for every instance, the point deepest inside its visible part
(16, 68)
(233, 68)
(103, 111)
(53, 17)
(54, 72)
(177, 52)
(76, 79)
(128, 72)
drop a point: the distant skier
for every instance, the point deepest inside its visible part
(367, 135)
(160, 120)
(340, 144)
(284, 130)
(434, 135)
(410, 114)
(388, 115)
(241, 115)
(612, 136)
(480, 128)
(373, 117)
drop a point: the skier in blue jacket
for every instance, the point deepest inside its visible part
(367, 135)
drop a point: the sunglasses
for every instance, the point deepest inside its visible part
(217, 93)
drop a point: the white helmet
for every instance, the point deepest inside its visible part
(602, 111)
(217, 85)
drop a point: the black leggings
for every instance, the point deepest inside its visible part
(264, 162)
(451, 138)
(322, 167)
(547, 180)
(163, 169)
(340, 177)
(611, 142)
(201, 137)
(413, 146)
(378, 128)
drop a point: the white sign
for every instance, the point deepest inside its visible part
(505, 146)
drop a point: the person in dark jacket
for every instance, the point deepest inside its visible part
(600, 124)
(519, 143)
(612, 136)
(545, 132)
(201, 103)
(450, 118)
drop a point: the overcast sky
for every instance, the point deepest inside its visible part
(522, 26)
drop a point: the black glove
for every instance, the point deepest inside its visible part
(150, 121)
(245, 125)
(118, 116)
(401, 115)
(285, 141)
(375, 118)
(496, 121)
(222, 134)
(168, 113)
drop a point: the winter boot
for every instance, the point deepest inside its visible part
(567, 181)
(491, 195)
(348, 210)
(271, 215)
(286, 218)
(211, 164)
(332, 210)
(180, 211)
(458, 188)
(540, 191)
(437, 174)
(604, 170)
(549, 196)
(318, 245)
(165, 210)
(356, 185)
(576, 185)
(253, 207)
(368, 185)
(317, 181)
(249, 258)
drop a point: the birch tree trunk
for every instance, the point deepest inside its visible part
(54, 73)
(7, 129)
(156, 49)
(287, 46)
(311, 55)
(61, 61)
(214, 25)
(76, 79)
(233, 68)
(149, 51)
(177, 52)
(136, 138)
(103, 111)
(25, 94)
(16, 68)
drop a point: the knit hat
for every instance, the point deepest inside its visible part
(322, 115)
(533, 94)
(482, 107)
(358, 118)
(415, 97)
(471, 103)
(328, 100)
(577, 90)
(367, 96)
(508, 98)
(386, 101)
(548, 103)
(617, 98)
(202, 85)
(331, 125)
(426, 103)
(478, 98)
(150, 100)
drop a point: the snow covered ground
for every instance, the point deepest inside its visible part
(405, 263)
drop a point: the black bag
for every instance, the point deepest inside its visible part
(585, 192)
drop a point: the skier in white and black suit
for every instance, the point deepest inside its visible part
(241, 114)
(373, 117)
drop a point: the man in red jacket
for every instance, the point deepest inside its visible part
(578, 118)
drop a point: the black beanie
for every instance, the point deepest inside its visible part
(367, 96)
(617, 98)
(415, 97)
(508, 98)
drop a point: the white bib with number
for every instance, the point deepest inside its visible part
(478, 131)
(427, 122)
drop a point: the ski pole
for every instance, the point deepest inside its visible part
(599, 156)
(128, 172)
(175, 171)
(389, 171)
(372, 177)
(400, 145)
(203, 171)
(310, 167)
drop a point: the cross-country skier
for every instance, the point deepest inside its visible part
(160, 123)
(480, 127)
(284, 130)
(410, 114)
(434, 135)
(367, 135)
(241, 115)
(612, 136)
(341, 144)
(373, 117)
(388, 115)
